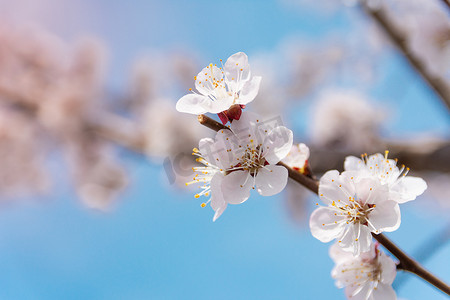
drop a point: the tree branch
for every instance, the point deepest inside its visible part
(410, 265)
(446, 2)
(406, 262)
(380, 16)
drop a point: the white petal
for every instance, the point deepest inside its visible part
(277, 144)
(385, 216)
(369, 190)
(358, 292)
(219, 212)
(193, 104)
(217, 199)
(347, 240)
(388, 269)
(220, 104)
(333, 188)
(365, 239)
(271, 180)
(206, 77)
(338, 255)
(407, 189)
(224, 148)
(249, 90)
(384, 292)
(325, 226)
(236, 187)
(359, 241)
(245, 124)
(233, 66)
(205, 146)
(353, 163)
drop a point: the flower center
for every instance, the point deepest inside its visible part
(253, 159)
(356, 211)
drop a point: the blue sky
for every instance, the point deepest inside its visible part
(158, 243)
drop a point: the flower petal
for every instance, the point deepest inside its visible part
(353, 163)
(277, 144)
(237, 68)
(384, 291)
(218, 203)
(325, 225)
(271, 180)
(220, 104)
(388, 269)
(333, 188)
(407, 189)
(385, 216)
(193, 104)
(236, 187)
(204, 81)
(249, 90)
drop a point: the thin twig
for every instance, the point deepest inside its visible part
(380, 16)
(406, 262)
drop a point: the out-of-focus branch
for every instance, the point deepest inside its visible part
(380, 16)
(406, 262)
(423, 156)
(119, 130)
(446, 2)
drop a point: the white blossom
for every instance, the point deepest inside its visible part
(256, 148)
(368, 276)
(297, 157)
(346, 120)
(355, 207)
(218, 88)
(402, 188)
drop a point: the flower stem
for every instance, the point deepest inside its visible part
(406, 262)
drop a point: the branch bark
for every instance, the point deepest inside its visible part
(406, 262)
(380, 16)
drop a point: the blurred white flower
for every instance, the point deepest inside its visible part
(220, 89)
(402, 188)
(430, 41)
(367, 276)
(22, 148)
(426, 27)
(438, 192)
(345, 120)
(355, 207)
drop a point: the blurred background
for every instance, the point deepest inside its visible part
(95, 157)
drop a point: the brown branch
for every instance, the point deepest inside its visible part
(211, 123)
(410, 265)
(437, 83)
(406, 262)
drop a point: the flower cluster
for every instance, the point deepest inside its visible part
(244, 156)
(241, 159)
(361, 201)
